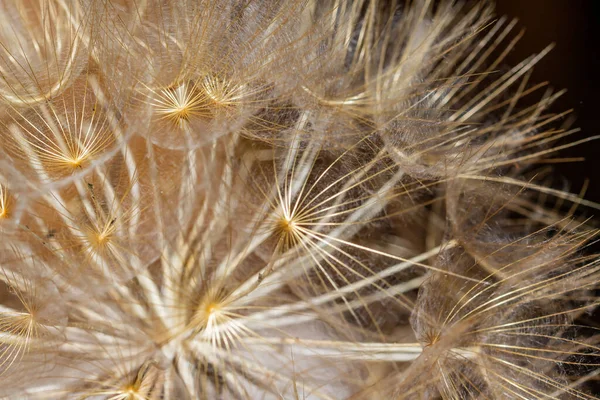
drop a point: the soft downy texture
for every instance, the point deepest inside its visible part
(284, 200)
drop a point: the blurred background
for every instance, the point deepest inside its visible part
(574, 64)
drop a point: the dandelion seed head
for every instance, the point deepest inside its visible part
(271, 199)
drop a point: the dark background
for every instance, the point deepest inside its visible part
(574, 64)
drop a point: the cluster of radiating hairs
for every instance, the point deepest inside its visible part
(284, 199)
